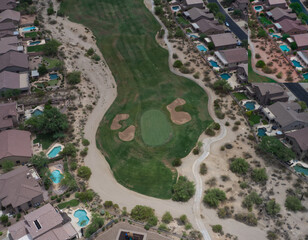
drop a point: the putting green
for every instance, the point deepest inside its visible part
(155, 128)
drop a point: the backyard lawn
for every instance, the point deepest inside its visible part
(37, 48)
(52, 62)
(240, 96)
(46, 141)
(254, 119)
(125, 32)
(53, 82)
(31, 34)
(265, 21)
(253, 76)
(183, 21)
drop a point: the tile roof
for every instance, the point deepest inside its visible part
(14, 59)
(234, 55)
(301, 39)
(10, 15)
(288, 25)
(301, 137)
(7, 4)
(9, 80)
(223, 39)
(7, 26)
(278, 13)
(6, 111)
(274, 2)
(205, 25)
(194, 13)
(272, 88)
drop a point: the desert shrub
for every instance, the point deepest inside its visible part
(90, 51)
(108, 204)
(84, 172)
(272, 208)
(7, 165)
(251, 199)
(247, 218)
(203, 169)
(142, 213)
(217, 228)
(260, 64)
(243, 185)
(177, 162)
(224, 212)
(259, 175)
(74, 77)
(183, 218)
(85, 142)
(183, 190)
(167, 217)
(213, 197)
(239, 166)
(209, 131)
(271, 235)
(177, 64)
(294, 204)
(96, 223)
(86, 196)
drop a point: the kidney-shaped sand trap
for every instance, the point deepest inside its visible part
(115, 125)
(128, 134)
(178, 118)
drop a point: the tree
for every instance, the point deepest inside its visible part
(84, 172)
(303, 105)
(108, 204)
(85, 142)
(296, 7)
(260, 64)
(217, 228)
(292, 203)
(167, 218)
(69, 181)
(4, 219)
(211, 46)
(74, 77)
(213, 7)
(179, 33)
(86, 196)
(183, 190)
(221, 17)
(142, 213)
(39, 161)
(50, 11)
(262, 33)
(177, 162)
(285, 36)
(51, 47)
(158, 10)
(251, 199)
(213, 197)
(177, 64)
(272, 208)
(259, 175)
(203, 169)
(7, 165)
(222, 86)
(293, 45)
(96, 223)
(42, 69)
(239, 166)
(69, 150)
(237, 13)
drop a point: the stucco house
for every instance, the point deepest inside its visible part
(14, 62)
(277, 3)
(303, 58)
(208, 27)
(299, 142)
(290, 27)
(231, 58)
(195, 14)
(242, 73)
(301, 41)
(279, 14)
(10, 16)
(223, 41)
(187, 4)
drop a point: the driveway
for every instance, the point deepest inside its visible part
(298, 91)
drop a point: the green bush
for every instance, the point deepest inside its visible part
(210, 132)
(217, 228)
(177, 64)
(183, 218)
(51, 47)
(69, 150)
(243, 185)
(251, 199)
(74, 77)
(260, 64)
(177, 162)
(71, 203)
(247, 218)
(86, 196)
(96, 223)
(90, 51)
(85, 142)
(294, 204)
(50, 11)
(84, 152)
(96, 58)
(4, 219)
(271, 235)
(224, 212)
(239, 166)
(259, 175)
(142, 213)
(84, 172)
(163, 227)
(108, 204)
(42, 70)
(203, 169)
(183, 190)
(272, 208)
(7, 165)
(213, 197)
(167, 217)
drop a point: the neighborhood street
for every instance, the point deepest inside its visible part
(298, 91)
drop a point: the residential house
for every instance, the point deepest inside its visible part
(301, 41)
(8, 116)
(240, 5)
(7, 4)
(278, 14)
(193, 3)
(14, 62)
(8, 33)
(231, 58)
(195, 14)
(10, 44)
(11, 80)
(277, 3)
(43, 223)
(290, 27)
(287, 116)
(267, 93)
(20, 189)
(207, 27)
(223, 41)
(242, 73)
(303, 58)
(15, 146)
(10, 16)
(299, 142)
(7, 26)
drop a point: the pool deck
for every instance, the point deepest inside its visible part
(257, 106)
(294, 163)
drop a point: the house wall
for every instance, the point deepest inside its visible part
(281, 5)
(294, 125)
(198, 5)
(241, 75)
(296, 148)
(266, 99)
(15, 69)
(226, 47)
(294, 32)
(17, 160)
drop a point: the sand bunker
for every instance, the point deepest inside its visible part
(128, 134)
(115, 122)
(178, 118)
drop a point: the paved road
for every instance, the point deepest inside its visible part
(233, 26)
(298, 91)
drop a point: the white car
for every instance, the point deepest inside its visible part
(227, 24)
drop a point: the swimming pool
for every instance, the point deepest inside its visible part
(201, 48)
(261, 132)
(296, 63)
(258, 8)
(28, 29)
(225, 76)
(56, 176)
(300, 169)
(276, 36)
(193, 36)
(284, 48)
(34, 43)
(82, 216)
(305, 76)
(53, 76)
(213, 63)
(54, 152)
(250, 105)
(37, 112)
(175, 8)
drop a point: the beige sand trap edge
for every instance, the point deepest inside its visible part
(128, 134)
(115, 125)
(178, 118)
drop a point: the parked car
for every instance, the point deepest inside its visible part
(230, 9)
(227, 24)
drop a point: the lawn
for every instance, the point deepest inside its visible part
(253, 76)
(125, 33)
(265, 21)
(240, 96)
(254, 119)
(46, 141)
(53, 82)
(183, 21)
(52, 62)
(71, 203)
(37, 48)
(31, 35)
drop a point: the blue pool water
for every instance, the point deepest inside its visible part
(56, 176)
(82, 216)
(225, 76)
(201, 48)
(276, 36)
(284, 48)
(53, 76)
(37, 112)
(301, 169)
(296, 63)
(27, 29)
(175, 8)
(54, 152)
(34, 43)
(261, 132)
(250, 105)
(193, 36)
(213, 63)
(305, 76)
(258, 8)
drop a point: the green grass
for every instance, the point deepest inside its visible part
(125, 33)
(31, 35)
(254, 119)
(240, 96)
(155, 128)
(53, 82)
(183, 21)
(37, 48)
(71, 203)
(52, 62)
(265, 21)
(253, 76)
(46, 141)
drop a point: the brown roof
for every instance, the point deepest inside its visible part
(234, 55)
(301, 137)
(15, 143)
(278, 13)
(190, 2)
(275, 2)
(7, 110)
(301, 39)
(7, 33)
(288, 25)
(223, 39)
(195, 13)
(7, 4)
(7, 26)
(50, 221)
(10, 15)
(272, 88)
(18, 187)
(9, 44)
(9, 80)
(206, 25)
(14, 59)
